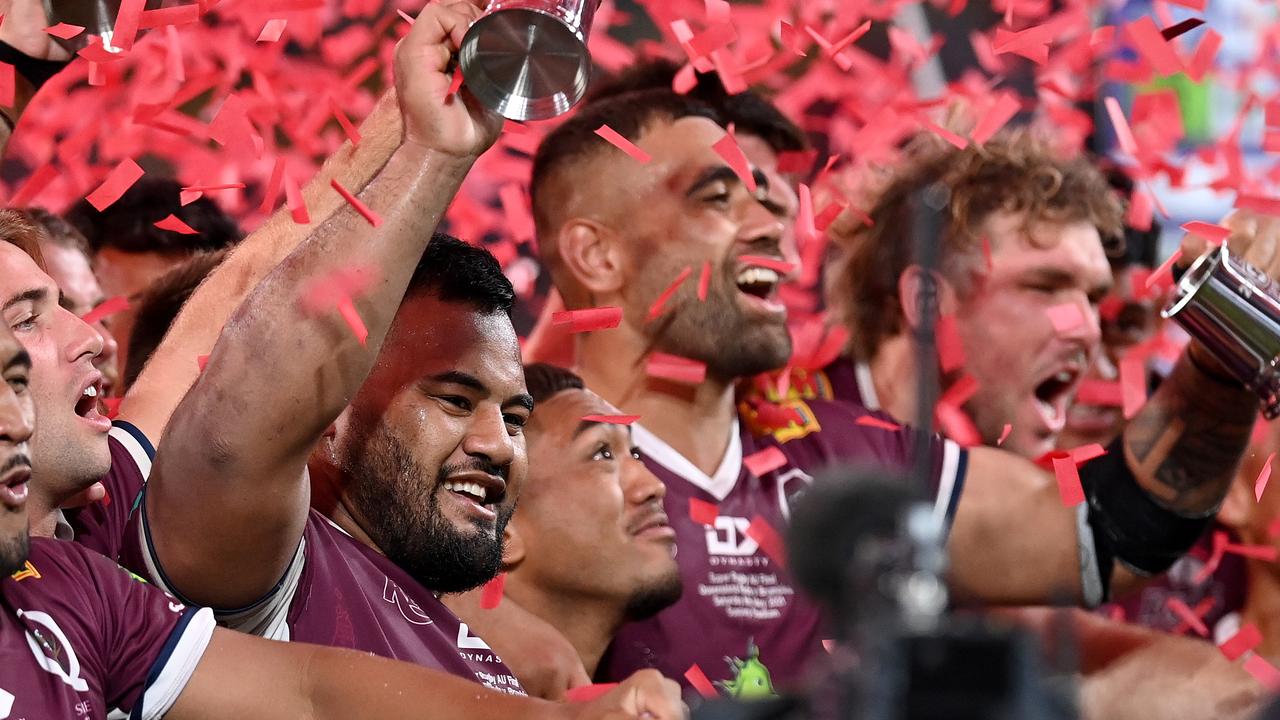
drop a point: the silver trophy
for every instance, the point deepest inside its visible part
(1233, 309)
(97, 17)
(528, 59)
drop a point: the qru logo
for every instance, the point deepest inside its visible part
(49, 649)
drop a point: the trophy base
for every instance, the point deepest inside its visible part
(524, 64)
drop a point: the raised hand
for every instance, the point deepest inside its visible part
(23, 28)
(459, 125)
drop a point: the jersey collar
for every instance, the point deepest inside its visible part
(718, 485)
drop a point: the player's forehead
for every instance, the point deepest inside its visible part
(1072, 248)
(680, 148)
(20, 274)
(437, 340)
(563, 419)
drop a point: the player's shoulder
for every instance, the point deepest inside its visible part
(56, 563)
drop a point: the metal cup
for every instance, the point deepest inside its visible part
(528, 59)
(97, 17)
(1233, 309)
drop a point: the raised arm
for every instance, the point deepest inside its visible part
(242, 676)
(229, 474)
(35, 57)
(173, 367)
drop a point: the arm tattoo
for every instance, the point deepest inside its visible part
(1185, 444)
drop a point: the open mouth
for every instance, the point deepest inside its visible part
(13, 487)
(480, 493)
(88, 401)
(758, 282)
(1054, 393)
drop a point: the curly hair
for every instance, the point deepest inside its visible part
(1014, 172)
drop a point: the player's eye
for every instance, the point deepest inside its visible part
(604, 452)
(457, 401)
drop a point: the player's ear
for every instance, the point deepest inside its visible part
(513, 550)
(590, 252)
(909, 285)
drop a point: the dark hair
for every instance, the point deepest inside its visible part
(56, 229)
(128, 224)
(159, 306)
(455, 271)
(545, 381)
(749, 111)
(1135, 247)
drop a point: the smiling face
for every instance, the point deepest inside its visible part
(431, 451)
(17, 422)
(1026, 370)
(591, 523)
(686, 208)
(70, 448)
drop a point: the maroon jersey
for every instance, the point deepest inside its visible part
(101, 526)
(339, 592)
(79, 636)
(739, 607)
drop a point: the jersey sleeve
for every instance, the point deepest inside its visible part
(151, 643)
(267, 617)
(101, 526)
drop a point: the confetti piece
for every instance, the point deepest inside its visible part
(112, 406)
(1197, 5)
(805, 228)
(765, 461)
(295, 202)
(1007, 105)
(1133, 384)
(63, 31)
(1181, 28)
(768, 539)
(712, 39)
(1202, 59)
(355, 203)
(729, 151)
(675, 369)
(796, 161)
(1259, 203)
(703, 512)
(704, 282)
(352, 133)
(1069, 488)
(272, 30)
(405, 16)
(660, 304)
(1260, 485)
(347, 310)
(1004, 434)
(614, 138)
(588, 693)
(1215, 234)
(1139, 214)
(588, 319)
(1100, 393)
(202, 361)
(950, 348)
(956, 424)
(106, 309)
(1265, 553)
(34, 185)
(1124, 135)
(170, 16)
(1065, 317)
(174, 223)
(491, 595)
(118, 181)
(1263, 671)
(126, 27)
(1189, 618)
(1273, 529)
(775, 264)
(698, 680)
(455, 85)
(1084, 453)
(1164, 274)
(875, 422)
(1219, 548)
(1152, 47)
(611, 419)
(211, 188)
(954, 139)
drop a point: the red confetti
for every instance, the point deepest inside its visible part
(112, 406)
(1215, 234)
(611, 419)
(1133, 384)
(272, 30)
(675, 369)
(406, 16)
(617, 140)
(1260, 485)
(295, 202)
(455, 85)
(347, 310)
(587, 693)
(1153, 47)
(698, 680)
(106, 309)
(765, 461)
(1204, 54)
(1124, 134)
(1004, 434)
(950, 348)
(491, 595)
(118, 181)
(210, 188)
(1006, 107)
(202, 361)
(703, 512)
(1069, 488)
(796, 161)
(176, 15)
(1259, 204)
(768, 539)
(1100, 393)
(174, 223)
(1188, 617)
(38, 181)
(353, 134)
(1065, 317)
(728, 150)
(1164, 273)
(704, 282)
(875, 422)
(1263, 671)
(588, 319)
(126, 27)
(1215, 558)
(355, 203)
(1265, 553)
(63, 31)
(660, 304)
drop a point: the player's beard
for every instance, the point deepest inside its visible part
(654, 597)
(717, 333)
(403, 517)
(14, 552)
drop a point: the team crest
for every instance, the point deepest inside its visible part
(785, 421)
